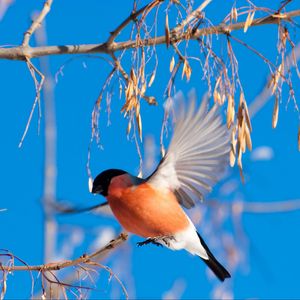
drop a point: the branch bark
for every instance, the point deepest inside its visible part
(23, 53)
(85, 258)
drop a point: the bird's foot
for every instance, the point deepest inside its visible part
(149, 241)
(167, 239)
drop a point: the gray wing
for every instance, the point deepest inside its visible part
(197, 155)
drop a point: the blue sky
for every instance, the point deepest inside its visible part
(272, 247)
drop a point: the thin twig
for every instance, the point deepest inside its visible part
(37, 22)
(263, 97)
(130, 18)
(38, 87)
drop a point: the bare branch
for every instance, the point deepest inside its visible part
(130, 18)
(85, 258)
(20, 52)
(37, 22)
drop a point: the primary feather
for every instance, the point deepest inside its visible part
(197, 155)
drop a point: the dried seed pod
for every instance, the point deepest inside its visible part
(143, 88)
(137, 108)
(231, 158)
(139, 123)
(133, 77)
(162, 150)
(239, 162)
(248, 138)
(234, 14)
(172, 64)
(167, 31)
(275, 113)
(230, 111)
(128, 127)
(216, 96)
(232, 153)
(151, 79)
(247, 117)
(187, 70)
(249, 20)
(276, 78)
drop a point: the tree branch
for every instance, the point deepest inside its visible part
(85, 258)
(130, 18)
(37, 22)
(21, 53)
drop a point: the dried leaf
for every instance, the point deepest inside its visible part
(151, 79)
(275, 113)
(172, 64)
(167, 31)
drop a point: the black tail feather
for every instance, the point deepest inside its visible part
(213, 264)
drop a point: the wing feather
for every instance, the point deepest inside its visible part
(197, 155)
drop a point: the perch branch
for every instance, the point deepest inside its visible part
(85, 258)
(20, 52)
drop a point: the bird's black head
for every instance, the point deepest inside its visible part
(102, 181)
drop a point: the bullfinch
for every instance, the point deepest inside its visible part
(152, 207)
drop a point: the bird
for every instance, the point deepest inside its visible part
(152, 207)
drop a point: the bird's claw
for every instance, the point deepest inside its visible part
(149, 241)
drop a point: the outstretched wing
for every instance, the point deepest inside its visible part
(197, 155)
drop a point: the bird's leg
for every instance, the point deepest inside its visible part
(157, 241)
(166, 239)
(149, 241)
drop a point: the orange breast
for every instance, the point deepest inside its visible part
(144, 210)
